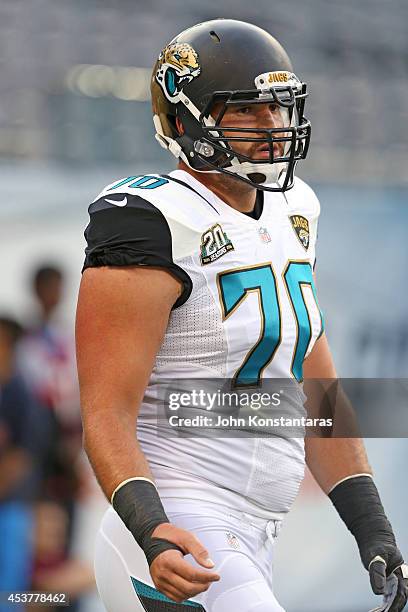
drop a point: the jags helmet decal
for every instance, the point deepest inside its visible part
(178, 65)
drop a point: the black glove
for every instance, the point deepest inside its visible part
(358, 503)
(394, 586)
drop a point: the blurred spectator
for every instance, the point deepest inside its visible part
(47, 362)
(17, 467)
(53, 570)
(48, 285)
(46, 358)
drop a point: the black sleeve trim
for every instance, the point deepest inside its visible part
(133, 235)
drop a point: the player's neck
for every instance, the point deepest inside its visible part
(232, 191)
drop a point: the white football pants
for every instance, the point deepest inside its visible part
(240, 544)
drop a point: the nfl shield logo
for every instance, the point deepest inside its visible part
(264, 234)
(232, 540)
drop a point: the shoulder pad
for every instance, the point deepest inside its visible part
(186, 213)
(303, 200)
(177, 202)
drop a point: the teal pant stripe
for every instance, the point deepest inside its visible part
(144, 590)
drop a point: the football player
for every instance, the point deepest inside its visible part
(207, 273)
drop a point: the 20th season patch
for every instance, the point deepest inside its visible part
(214, 244)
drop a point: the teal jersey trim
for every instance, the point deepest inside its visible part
(141, 182)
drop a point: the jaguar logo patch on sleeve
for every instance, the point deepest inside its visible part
(301, 226)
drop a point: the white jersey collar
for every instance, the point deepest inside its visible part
(211, 197)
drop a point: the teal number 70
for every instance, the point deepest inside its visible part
(235, 285)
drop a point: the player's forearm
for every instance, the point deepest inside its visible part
(118, 462)
(111, 445)
(332, 459)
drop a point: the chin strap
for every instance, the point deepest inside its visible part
(243, 170)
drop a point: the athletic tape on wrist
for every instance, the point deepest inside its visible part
(138, 504)
(130, 480)
(359, 505)
(349, 478)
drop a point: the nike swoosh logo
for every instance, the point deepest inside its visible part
(118, 202)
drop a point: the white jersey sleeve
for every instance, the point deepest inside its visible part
(303, 203)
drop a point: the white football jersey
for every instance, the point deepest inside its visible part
(248, 313)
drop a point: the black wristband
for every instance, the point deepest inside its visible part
(139, 506)
(359, 505)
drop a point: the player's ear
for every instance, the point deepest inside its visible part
(179, 126)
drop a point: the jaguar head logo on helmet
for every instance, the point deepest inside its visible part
(212, 69)
(177, 66)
